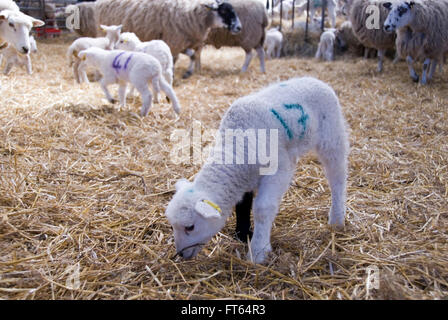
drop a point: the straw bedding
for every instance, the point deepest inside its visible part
(83, 187)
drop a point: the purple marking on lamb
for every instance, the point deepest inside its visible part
(116, 63)
(127, 61)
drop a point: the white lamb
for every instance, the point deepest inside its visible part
(273, 43)
(119, 66)
(12, 57)
(157, 48)
(299, 115)
(325, 49)
(108, 43)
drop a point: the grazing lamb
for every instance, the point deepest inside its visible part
(157, 48)
(369, 35)
(88, 26)
(15, 26)
(299, 115)
(138, 68)
(325, 49)
(182, 24)
(12, 57)
(273, 43)
(108, 43)
(421, 32)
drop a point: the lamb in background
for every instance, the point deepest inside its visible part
(108, 43)
(325, 49)
(12, 57)
(300, 115)
(273, 43)
(137, 68)
(157, 48)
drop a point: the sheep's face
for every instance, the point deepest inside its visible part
(194, 217)
(113, 34)
(15, 29)
(400, 15)
(127, 42)
(225, 17)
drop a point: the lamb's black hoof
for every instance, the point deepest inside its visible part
(244, 235)
(187, 75)
(416, 79)
(168, 99)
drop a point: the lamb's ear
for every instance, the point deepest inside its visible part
(82, 55)
(387, 5)
(208, 209)
(182, 183)
(37, 22)
(3, 16)
(103, 27)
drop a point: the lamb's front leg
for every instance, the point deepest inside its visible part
(104, 84)
(266, 204)
(122, 94)
(412, 72)
(29, 68)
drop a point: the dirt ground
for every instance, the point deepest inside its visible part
(83, 187)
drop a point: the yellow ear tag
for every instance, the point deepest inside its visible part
(83, 58)
(213, 205)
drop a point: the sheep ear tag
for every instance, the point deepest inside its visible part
(208, 209)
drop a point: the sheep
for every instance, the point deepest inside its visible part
(299, 115)
(325, 49)
(316, 4)
(421, 32)
(273, 43)
(182, 24)
(15, 26)
(108, 43)
(254, 20)
(137, 68)
(370, 36)
(13, 58)
(157, 48)
(88, 26)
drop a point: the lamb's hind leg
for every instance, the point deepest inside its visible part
(380, 60)
(170, 94)
(266, 205)
(426, 65)
(335, 165)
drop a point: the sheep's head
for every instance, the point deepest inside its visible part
(195, 219)
(15, 28)
(113, 34)
(400, 15)
(128, 41)
(225, 16)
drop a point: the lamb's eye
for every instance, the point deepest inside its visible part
(189, 228)
(11, 25)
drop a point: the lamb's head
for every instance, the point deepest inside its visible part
(91, 56)
(224, 16)
(400, 15)
(128, 41)
(195, 218)
(15, 28)
(113, 34)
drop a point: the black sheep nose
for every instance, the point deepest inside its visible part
(25, 50)
(238, 28)
(386, 28)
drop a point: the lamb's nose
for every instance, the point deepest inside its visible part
(25, 50)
